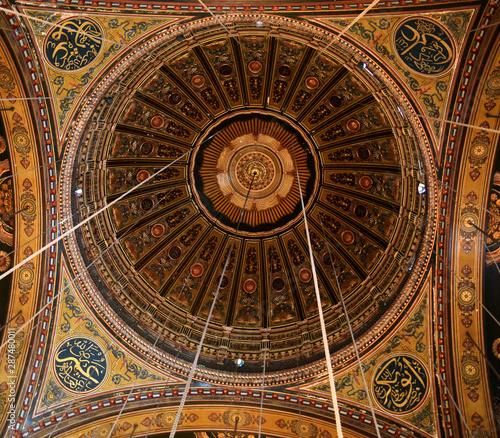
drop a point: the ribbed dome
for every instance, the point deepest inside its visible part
(248, 113)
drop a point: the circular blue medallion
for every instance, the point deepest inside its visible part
(80, 365)
(400, 384)
(73, 44)
(424, 46)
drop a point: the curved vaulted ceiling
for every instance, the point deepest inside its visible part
(163, 153)
(209, 121)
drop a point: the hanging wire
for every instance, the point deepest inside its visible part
(226, 435)
(491, 254)
(114, 340)
(151, 348)
(18, 248)
(56, 296)
(466, 125)
(370, 6)
(490, 365)
(218, 20)
(77, 32)
(448, 391)
(454, 402)
(178, 350)
(29, 98)
(262, 391)
(5, 178)
(478, 298)
(97, 258)
(11, 319)
(166, 383)
(158, 404)
(320, 312)
(62, 236)
(447, 186)
(168, 317)
(200, 345)
(53, 242)
(337, 37)
(458, 193)
(73, 403)
(229, 32)
(437, 371)
(434, 364)
(264, 371)
(348, 320)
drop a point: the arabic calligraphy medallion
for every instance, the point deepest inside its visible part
(400, 384)
(80, 365)
(73, 44)
(424, 46)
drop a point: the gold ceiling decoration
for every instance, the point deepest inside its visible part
(261, 108)
(257, 153)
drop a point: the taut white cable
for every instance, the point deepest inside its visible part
(372, 5)
(262, 391)
(56, 296)
(454, 403)
(466, 125)
(135, 383)
(67, 233)
(198, 351)
(11, 99)
(348, 320)
(217, 19)
(63, 235)
(321, 318)
(200, 345)
(337, 37)
(114, 340)
(477, 204)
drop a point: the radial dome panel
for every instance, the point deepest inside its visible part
(239, 122)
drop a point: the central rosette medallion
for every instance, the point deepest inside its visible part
(255, 170)
(258, 163)
(254, 156)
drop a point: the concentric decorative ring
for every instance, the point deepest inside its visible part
(352, 181)
(255, 170)
(253, 155)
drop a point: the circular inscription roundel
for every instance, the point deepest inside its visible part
(80, 365)
(424, 46)
(400, 384)
(73, 44)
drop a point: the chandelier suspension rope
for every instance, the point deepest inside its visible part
(202, 338)
(62, 236)
(133, 386)
(54, 298)
(454, 402)
(92, 216)
(218, 20)
(348, 320)
(320, 313)
(114, 339)
(262, 391)
(337, 37)
(480, 206)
